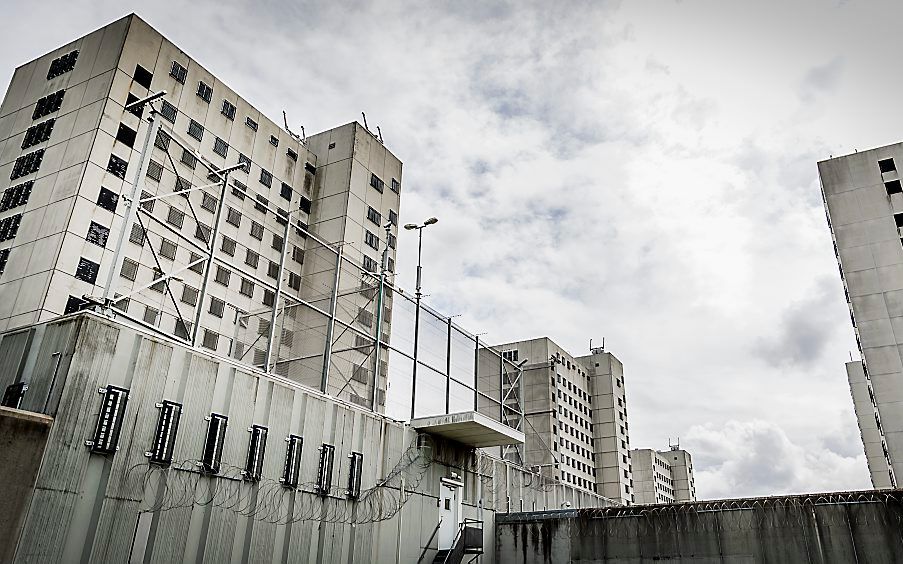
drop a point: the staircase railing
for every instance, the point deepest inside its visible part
(430, 541)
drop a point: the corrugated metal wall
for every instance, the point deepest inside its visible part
(113, 508)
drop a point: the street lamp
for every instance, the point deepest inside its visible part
(417, 295)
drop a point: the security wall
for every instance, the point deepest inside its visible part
(104, 500)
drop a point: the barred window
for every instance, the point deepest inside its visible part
(228, 109)
(129, 269)
(205, 92)
(273, 270)
(211, 340)
(189, 159)
(38, 133)
(396, 186)
(222, 275)
(168, 111)
(251, 123)
(376, 182)
(107, 199)
(228, 246)
(62, 65)
(168, 249)
(182, 185)
(196, 130)
(257, 230)
(199, 266)
(9, 227)
(244, 160)
(208, 202)
(239, 189)
(202, 232)
(372, 240)
(370, 265)
(183, 328)
(269, 298)
(261, 204)
(217, 307)
(175, 217)
(297, 254)
(136, 235)
(277, 242)
(393, 218)
(178, 72)
(154, 170)
(16, 196)
(294, 281)
(392, 242)
(252, 259)
(374, 216)
(189, 295)
(220, 147)
(48, 104)
(247, 288)
(233, 217)
(162, 140)
(266, 178)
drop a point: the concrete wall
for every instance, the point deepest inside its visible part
(820, 528)
(110, 508)
(22, 439)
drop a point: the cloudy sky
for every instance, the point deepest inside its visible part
(639, 171)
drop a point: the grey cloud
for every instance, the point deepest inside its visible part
(821, 79)
(804, 331)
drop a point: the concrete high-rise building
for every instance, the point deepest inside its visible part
(300, 229)
(664, 476)
(864, 203)
(575, 409)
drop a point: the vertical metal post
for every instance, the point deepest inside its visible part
(501, 389)
(476, 374)
(379, 316)
(417, 297)
(131, 208)
(208, 266)
(448, 368)
(272, 339)
(330, 325)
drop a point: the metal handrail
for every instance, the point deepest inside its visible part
(430, 540)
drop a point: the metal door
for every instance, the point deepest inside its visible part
(449, 512)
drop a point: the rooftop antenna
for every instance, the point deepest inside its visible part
(674, 446)
(363, 115)
(597, 350)
(290, 132)
(380, 135)
(303, 136)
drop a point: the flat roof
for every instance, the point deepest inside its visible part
(469, 428)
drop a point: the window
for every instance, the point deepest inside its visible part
(48, 104)
(371, 240)
(243, 159)
(376, 182)
(266, 178)
(277, 242)
(168, 111)
(126, 135)
(202, 232)
(154, 170)
(222, 275)
(393, 218)
(136, 235)
(261, 204)
(304, 205)
(370, 265)
(286, 192)
(178, 72)
(294, 281)
(252, 259)
(175, 217)
(142, 76)
(293, 155)
(196, 262)
(62, 65)
(129, 269)
(208, 202)
(228, 246)
(38, 133)
(151, 315)
(297, 254)
(251, 123)
(168, 249)
(135, 110)
(392, 242)
(228, 110)
(893, 187)
(396, 186)
(239, 189)
(269, 298)
(196, 130)
(97, 234)
(887, 165)
(87, 270)
(217, 306)
(205, 91)
(220, 147)
(117, 167)
(162, 140)
(16, 196)
(273, 270)
(29, 164)
(189, 159)
(257, 230)
(190, 295)
(374, 216)
(247, 288)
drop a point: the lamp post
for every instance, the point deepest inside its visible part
(417, 295)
